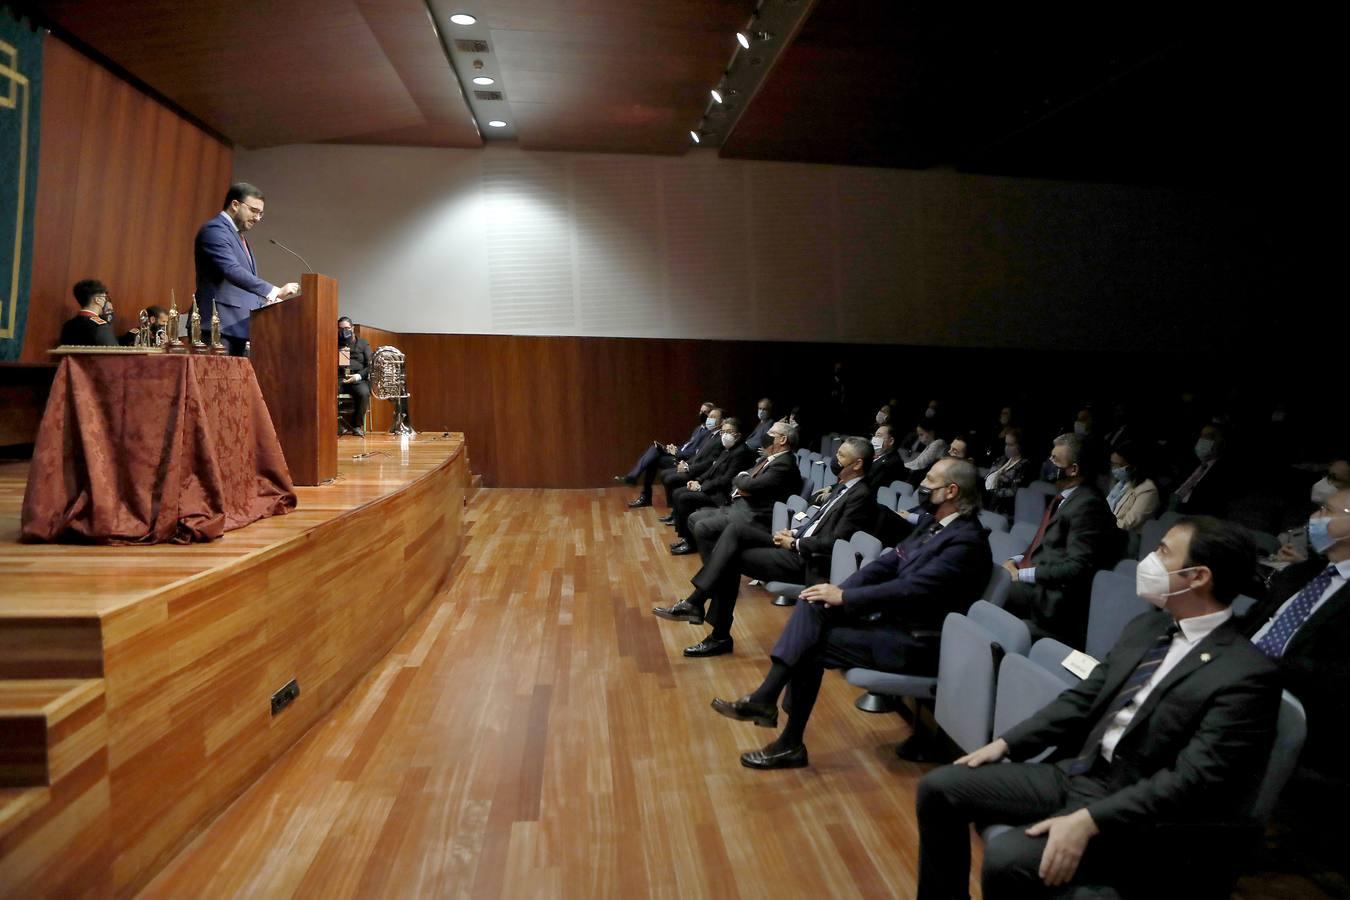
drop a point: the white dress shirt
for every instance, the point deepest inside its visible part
(1193, 631)
(1337, 582)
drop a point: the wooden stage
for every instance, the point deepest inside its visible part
(135, 682)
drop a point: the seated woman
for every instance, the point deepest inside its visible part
(1012, 472)
(1133, 497)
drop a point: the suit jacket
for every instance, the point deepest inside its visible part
(885, 470)
(925, 577)
(855, 511)
(1315, 666)
(717, 482)
(698, 439)
(1211, 494)
(759, 436)
(774, 483)
(227, 278)
(1194, 752)
(361, 358)
(708, 453)
(1081, 538)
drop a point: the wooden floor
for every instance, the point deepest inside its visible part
(537, 732)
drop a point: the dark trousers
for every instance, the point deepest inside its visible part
(720, 576)
(648, 455)
(952, 798)
(707, 525)
(684, 503)
(663, 463)
(673, 480)
(235, 346)
(360, 394)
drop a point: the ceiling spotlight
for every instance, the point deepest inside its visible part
(497, 123)
(743, 39)
(716, 95)
(483, 79)
(463, 19)
(694, 135)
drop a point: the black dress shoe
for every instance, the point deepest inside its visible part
(795, 758)
(667, 520)
(684, 611)
(681, 548)
(624, 479)
(710, 646)
(746, 710)
(639, 501)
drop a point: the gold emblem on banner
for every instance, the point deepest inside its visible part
(14, 101)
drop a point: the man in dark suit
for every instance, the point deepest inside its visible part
(887, 464)
(754, 492)
(1156, 754)
(712, 488)
(656, 449)
(763, 420)
(1209, 487)
(697, 466)
(799, 554)
(1052, 581)
(92, 325)
(227, 277)
(664, 459)
(1304, 626)
(354, 359)
(884, 616)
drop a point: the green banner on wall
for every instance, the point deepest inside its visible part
(20, 94)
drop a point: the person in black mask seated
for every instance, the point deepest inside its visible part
(92, 325)
(156, 318)
(354, 359)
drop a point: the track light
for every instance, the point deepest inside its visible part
(694, 135)
(497, 123)
(743, 39)
(484, 80)
(463, 19)
(716, 95)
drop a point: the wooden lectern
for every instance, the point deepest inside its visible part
(294, 354)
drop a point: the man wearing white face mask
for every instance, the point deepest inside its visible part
(887, 466)
(1156, 753)
(1304, 626)
(660, 463)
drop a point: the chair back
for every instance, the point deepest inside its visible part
(1112, 606)
(993, 521)
(1024, 689)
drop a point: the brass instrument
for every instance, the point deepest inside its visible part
(388, 381)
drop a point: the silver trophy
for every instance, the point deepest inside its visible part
(388, 381)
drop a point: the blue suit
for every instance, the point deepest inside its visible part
(227, 277)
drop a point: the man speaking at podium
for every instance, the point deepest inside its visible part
(227, 276)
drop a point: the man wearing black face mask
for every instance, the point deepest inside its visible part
(1052, 581)
(354, 358)
(92, 326)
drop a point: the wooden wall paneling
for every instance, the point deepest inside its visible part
(381, 411)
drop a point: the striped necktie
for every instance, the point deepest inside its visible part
(1277, 636)
(1152, 658)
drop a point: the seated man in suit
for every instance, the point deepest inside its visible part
(698, 465)
(1304, 626)
(799, 554)
(660, 463)
(886, 616)
(92, 325)
(713, 488)
(1209, 488)
(1156, 755)
(763, 420)
(354, 359)
(1052, 581)
(887, 465)
(656, 448)
(227, 276)
(754, 492)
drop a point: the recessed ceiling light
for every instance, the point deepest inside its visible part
(497, 123)
(483, 79)
(694, 135)
(716, 95)
(744, 39)
(463, 19)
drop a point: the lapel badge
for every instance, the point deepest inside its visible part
(1205, 657)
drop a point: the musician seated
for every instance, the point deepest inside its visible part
(156, 318)
(354, 358)
(92, 325)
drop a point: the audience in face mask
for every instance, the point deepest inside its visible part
(930, 448)
(1007, 474)
(1133, 497)
(1208, 489)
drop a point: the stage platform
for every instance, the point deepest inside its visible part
(136, 683)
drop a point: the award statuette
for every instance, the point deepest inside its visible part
(143, 331)
(172, 344)
(217, 347)
(195, 329)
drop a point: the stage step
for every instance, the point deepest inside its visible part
(47, 727)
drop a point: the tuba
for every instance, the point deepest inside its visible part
(389, 381)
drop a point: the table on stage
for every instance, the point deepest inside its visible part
(148, 448)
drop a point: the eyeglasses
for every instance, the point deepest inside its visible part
(256, 210)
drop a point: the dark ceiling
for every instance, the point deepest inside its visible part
(1114, 92)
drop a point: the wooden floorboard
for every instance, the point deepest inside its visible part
(538, 733)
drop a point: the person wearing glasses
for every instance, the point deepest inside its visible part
(227, 276)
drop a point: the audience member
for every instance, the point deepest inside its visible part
(1209, 488)
(764, 420)
(1155, 754)
(753, 493)
(657, 449)
(1007, 477)
(885, 616)
(156, 317)
(1133, 497)
(931, 449)
(799, 554)
(711, 490)
(698, 467)
(958, 449)
(354, 361)
(673, 456)
(92, 325)
(1052, 581)
(997, 436)
(887, 466)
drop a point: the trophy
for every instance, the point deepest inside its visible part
(216, 346)
(171, 342)
(195, 329)
(143, 330)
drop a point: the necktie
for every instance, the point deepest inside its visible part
(835, 494)
(930, 532)
(1277, 636)
(248, 252)
(1040, 532)
(1152, 658)
(1184, 492)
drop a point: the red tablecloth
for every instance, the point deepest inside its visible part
(152, 448)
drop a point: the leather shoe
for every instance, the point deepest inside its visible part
(795, 758)
(667, 520)
(746, 710)
(639, 501)
(710, 646)
(681, 548)
(684, 611)
(623, 479)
